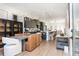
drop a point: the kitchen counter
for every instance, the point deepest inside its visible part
(65, 36)
(22, 42)
(62, 41)
(20, 37)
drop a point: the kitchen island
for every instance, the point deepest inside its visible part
(23, 42)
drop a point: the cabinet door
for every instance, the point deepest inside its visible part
(20, 27)
(38, 39)
(30, 44)
(34, 40)
(2, 30)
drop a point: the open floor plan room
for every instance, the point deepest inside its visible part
(34, 29)
(39, 29)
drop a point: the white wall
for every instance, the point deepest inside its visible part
(10, 11)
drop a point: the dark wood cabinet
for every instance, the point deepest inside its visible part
(9, 28)
(41, 26)
(17, 27)
(2, 29)
(13, 27)
(31, 23)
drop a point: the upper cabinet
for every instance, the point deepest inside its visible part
(26, 22)
(10, 28)
(2, 26)
(31, 23)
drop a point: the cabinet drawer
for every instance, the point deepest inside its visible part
(60, 47)
(62, 43)
(62, 40)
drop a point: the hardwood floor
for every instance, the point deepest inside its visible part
(47, 48)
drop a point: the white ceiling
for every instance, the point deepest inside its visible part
(47, 11)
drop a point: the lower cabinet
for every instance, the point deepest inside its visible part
(61, 42)
(34, 41)
(37, 40)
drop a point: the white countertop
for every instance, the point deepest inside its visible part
(20, 37)
(65, 36)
